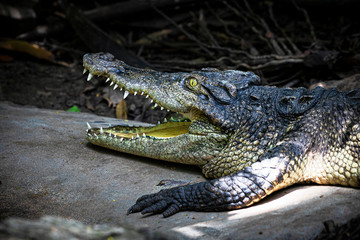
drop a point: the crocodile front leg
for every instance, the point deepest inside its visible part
(277, 169)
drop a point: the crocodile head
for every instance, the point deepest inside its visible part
(203, 96)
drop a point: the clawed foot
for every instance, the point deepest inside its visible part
(168, 202)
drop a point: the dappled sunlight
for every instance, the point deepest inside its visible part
(291, 202)
(282, 200)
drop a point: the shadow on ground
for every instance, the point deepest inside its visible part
(48, 168)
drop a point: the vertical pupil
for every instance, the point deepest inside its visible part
(192, 82)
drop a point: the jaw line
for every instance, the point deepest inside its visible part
(129, 132)
(111, 74)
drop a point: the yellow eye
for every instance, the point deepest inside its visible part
(193, 82)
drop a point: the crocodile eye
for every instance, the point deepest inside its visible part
(192, 82)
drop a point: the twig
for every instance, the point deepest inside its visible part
(222, 21)
(221, 61)
(284, 46)
(202, 45)
(272, 39)
(262, 57)
(285, 80)
(292, 44)
(273, 63)
(203, 26)
(312, 30)
(243, 15)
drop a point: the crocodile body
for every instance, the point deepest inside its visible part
(250, 140)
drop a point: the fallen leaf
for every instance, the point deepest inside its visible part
(154, 36)
(121, 110)
(26, 47)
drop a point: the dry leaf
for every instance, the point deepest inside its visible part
(155, 36)
(121, 110)
(29, 48)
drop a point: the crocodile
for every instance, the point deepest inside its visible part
(249, 140)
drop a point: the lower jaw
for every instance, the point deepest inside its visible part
(173, 149)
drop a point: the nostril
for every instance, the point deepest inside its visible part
(120, 70)
(106, 56)
(110, 57)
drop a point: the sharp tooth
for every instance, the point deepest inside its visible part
(144, 135)
(84, 71)
(155, 105)
(101, 130)
(165, 120)
(121, 139)
(152, 101)
(89, 77)
(132, 137)
(111, 83)
(88, 125)
(142, 93)
(135, 93)
(126, 93)
(121, 89)
(159, 122)
(168, 110)
(115, 86)
(108, 79)
(162, 108)
(114, 136)
(147, 96)
(137, 135)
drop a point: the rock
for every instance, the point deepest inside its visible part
(57, 228)
(48, 168)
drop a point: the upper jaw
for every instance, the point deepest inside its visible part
(164, 89)
(152, 84)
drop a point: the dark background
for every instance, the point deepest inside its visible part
(288, 43)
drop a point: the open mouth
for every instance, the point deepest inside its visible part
(191, 140)
(167, 129)
(160, 131)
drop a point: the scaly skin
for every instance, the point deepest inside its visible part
(251, 140)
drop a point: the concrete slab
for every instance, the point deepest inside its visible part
(48, 168)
